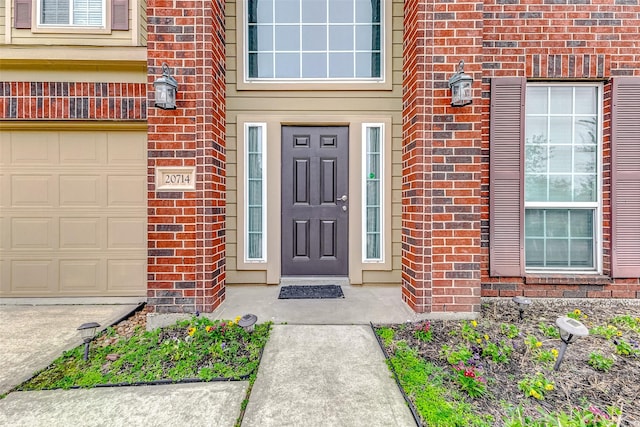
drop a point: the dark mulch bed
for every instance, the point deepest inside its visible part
(576, 383)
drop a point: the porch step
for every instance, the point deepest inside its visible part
(314, 280)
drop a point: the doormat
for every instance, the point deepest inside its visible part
(310, 292)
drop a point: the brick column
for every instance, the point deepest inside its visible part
(441, 158)
(416, 155)
(186, 231)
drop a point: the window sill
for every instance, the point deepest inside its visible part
(566, 279)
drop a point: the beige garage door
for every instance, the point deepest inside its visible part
(73, 213)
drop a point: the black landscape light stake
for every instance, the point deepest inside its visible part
(248, 321)
(523, 303)
(570, 330)
(88, 331)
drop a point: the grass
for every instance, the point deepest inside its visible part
(198, 348)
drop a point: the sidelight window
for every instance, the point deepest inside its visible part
(255, 185)
(373, 185)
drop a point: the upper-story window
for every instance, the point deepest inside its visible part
(335, 40)
(80, 13)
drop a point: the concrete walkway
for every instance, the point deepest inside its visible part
(327, 373)
(331, 376)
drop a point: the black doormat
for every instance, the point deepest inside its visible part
(310, 292)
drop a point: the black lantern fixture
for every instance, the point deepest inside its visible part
(166, 88)
(570, 330)
(88, 331)
(460, 84)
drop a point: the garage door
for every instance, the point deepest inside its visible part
(73, 213)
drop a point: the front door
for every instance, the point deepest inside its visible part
(315, 173)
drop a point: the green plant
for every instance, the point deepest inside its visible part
(424, 382)
(509, 330)
(423, 332)
(386, 335)
(547, 356)
(627, 321)
(607, 332)
(583, 417)
(453, 357)
(624, 348)
(548, 331)
(577, 315)
(498, 352)
(469, 332)
(532, 342)
(470, 380)
(600, 362)
(536, 386)
(578, 417)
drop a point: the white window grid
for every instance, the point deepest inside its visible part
(595, 206)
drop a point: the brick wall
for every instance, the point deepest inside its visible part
(559, 39)
(441, 158)
(72, 101)
(186, 230)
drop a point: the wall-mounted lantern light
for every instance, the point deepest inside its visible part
(570, 330)
(460, 84)
(166, 88)
(88, 331)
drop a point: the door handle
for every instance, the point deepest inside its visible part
(342, 199)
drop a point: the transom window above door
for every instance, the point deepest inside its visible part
(314, 40)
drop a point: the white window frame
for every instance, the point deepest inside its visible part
(596, 206)
(263, 146)
(382, 196)
(104, 24)
(385, 54)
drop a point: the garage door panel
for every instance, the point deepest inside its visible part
(80, 190)
(124, 273)
(34, 148)
(121, 152)
(76, 233)
(126, 190)
(79, 275)
(32, 233)
(126, 233)
(83, 149)
(73, 213)
(33, 276)
(32, 190)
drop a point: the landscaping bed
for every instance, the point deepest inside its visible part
(499, 370)
(198, 349)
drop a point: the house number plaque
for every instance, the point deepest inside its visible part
(181, 179)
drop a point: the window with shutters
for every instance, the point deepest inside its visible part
(546, 165)
(88, 16)
(561, 177)
(72, 13)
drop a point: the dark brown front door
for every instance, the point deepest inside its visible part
(315, 200)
